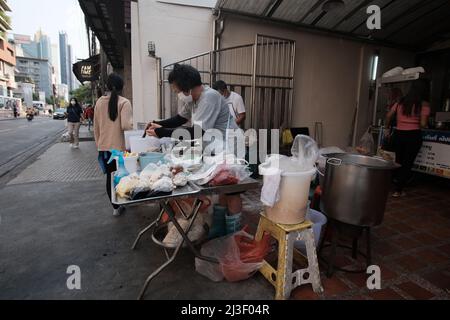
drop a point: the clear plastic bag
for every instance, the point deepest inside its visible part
(239, 256)
(366, 145)
(306, 151)
(226, 174)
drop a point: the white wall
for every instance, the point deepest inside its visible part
(178, 32)
(331, 75)
(327, 76)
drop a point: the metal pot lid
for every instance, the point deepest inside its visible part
(360, 160)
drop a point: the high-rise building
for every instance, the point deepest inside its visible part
(7, 55)
(37, 71)
(39, 48)
(56, 63)
(44, 49)
(70, 61)
(26, 44)
(64, 58)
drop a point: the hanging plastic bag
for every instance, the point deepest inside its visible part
(366, 145)
(306, 151)
(239, 256)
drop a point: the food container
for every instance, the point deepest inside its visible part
(131, 164)
(147, 144)
(128, 135)
(151, 157)
(294, 192)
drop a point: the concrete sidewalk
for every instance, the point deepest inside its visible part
(56, 214)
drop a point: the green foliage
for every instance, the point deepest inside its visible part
(83, 94)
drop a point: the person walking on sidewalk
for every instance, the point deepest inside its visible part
(113, 114)
(89, 115)
(74, 118)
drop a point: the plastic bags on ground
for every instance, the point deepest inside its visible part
(239, 255)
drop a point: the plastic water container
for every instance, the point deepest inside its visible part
(131, 164)
(151, 157)
(294, 193)
(319, 220)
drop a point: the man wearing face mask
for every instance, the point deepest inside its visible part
(74, 117)
(207, 109)
(202, 105)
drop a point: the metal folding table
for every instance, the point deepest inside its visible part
(190, 190)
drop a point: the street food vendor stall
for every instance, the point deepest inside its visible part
(433, 157)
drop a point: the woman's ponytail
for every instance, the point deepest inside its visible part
(115, 86)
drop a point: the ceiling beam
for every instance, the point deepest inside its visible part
(419, 18)
(351, 13)
(318, 30)
(272, 7)
(405, 14)
(311, 10)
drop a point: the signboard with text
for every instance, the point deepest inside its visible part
(434, 156)
(87, 70)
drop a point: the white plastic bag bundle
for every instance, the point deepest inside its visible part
(305, 151)
(413, 71)
(393, 72)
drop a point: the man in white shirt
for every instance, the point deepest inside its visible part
(233, 100)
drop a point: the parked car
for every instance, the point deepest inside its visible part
(59, 114)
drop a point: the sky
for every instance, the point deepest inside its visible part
(52, 16)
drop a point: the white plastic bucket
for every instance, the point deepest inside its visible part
(293, 190)
(319, 220)
(131, 164)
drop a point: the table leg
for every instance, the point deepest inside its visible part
(172, 217)
(166, 207)
(158, 271)
(198, 203)
(146, 229)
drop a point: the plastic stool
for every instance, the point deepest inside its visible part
(283, 279)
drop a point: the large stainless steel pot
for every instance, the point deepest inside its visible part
(355, 188)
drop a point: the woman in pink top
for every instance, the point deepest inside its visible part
(412, 114)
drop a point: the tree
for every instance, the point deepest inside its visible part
(83, 94)
(50, 100)
(35, 96)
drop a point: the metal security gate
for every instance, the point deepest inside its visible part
(262, 73)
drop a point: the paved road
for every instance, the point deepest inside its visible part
(20, 140)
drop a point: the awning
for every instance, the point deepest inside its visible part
(410, 24)
(108, 20)
(87, 70)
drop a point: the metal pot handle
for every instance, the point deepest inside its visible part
(320, 172)
(334, 161)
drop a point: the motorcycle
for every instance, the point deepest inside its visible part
(30, 116)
